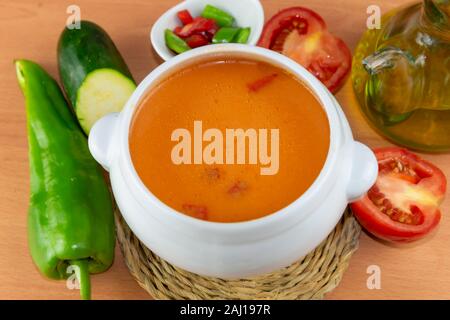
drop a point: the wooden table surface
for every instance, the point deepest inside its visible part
(30, 29)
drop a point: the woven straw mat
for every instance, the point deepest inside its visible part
(310, 278)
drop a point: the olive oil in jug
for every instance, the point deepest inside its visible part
(401, 76)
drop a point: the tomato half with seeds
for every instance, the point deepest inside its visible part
(302, 35)
(403, 205)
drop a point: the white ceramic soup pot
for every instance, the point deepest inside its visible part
(243, 249)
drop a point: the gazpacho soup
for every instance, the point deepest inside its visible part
(229, 139)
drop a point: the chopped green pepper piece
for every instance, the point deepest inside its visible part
(225, 35)
(175, 43)
(243, 35)
(222, 18)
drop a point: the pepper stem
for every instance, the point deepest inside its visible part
(82, 273)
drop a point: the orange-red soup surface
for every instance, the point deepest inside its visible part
(229, 94)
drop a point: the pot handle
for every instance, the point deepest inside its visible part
(100, 138)
(364, 171)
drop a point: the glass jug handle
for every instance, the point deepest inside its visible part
(388, 57)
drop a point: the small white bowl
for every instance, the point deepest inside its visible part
(248, 13)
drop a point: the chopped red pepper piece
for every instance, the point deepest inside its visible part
(199, 25)
(185, 17)
(238, 188)
(177, 30)
(209, 35)
(197, 40)
(213, 174)
(260, 83)
(196, 211)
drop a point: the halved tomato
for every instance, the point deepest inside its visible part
(403, 205)
(302, 35)
(299, 19)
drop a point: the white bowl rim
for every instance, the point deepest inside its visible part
(158, 47)
(322, 94)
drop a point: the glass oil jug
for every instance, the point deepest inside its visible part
(401, 76)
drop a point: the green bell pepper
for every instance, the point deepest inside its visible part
(70, 217)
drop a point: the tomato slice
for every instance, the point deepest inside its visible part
(302, 35)
(403, 205)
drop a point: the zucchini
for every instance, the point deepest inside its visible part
(95, 77)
